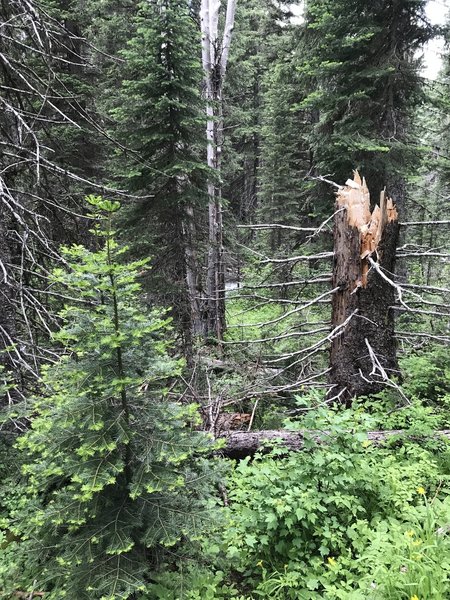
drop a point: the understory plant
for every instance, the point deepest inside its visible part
(335, 519)
(113, 478)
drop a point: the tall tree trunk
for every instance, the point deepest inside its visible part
(363, 351)
(8, 330)
(191, 274)
(215, 59)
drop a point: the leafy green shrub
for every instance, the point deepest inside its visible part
(427, 376)
(194, 583)
(413, 562)
(301, 524)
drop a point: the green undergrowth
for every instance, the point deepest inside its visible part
(345, 518)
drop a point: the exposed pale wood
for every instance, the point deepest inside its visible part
(355, 198)
(227, 32)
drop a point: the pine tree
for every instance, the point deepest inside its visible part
(443, 103)
(258, 34)
(285, 154)
(108, 460)
(159, 118)
(363, 59)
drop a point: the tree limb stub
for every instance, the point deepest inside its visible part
(239, 444)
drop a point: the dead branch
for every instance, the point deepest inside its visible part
(277, 226)
(438, 338)
(336, 332)
(286, 314)
(418, 311)
(277, 338)
(378, 369)
(426, 288)
(417, 254)
(407, 223)
(380, 272)
(325, 180)
(267, 300)
(326, 278)
(306, 258)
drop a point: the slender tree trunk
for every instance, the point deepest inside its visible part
(7, 311)
(214, 58)
(191, 273)
(186, 270)
(363, 353)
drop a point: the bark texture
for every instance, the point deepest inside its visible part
(239, 444)
(365, 352)
(215, 53)
(7, 310)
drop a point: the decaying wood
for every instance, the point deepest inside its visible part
(239, 444)
(27, 595)
(233, 421)
(365, 244)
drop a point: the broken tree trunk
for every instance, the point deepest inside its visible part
(239, 444)
(363, 357)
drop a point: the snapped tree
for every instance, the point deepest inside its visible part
(363, 345)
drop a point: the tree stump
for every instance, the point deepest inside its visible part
(363, 354)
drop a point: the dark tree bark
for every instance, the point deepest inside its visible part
(7, 292)
(365, 242)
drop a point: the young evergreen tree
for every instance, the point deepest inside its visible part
(111, 481)
(159, 118)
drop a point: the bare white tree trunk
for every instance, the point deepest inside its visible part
(215, 57)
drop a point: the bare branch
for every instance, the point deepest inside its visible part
(290, 259)
(286, 314)
(407, 223)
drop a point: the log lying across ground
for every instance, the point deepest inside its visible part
(239, 444)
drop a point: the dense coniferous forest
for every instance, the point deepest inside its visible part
(224, 300)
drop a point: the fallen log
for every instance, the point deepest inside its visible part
(239, 444)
